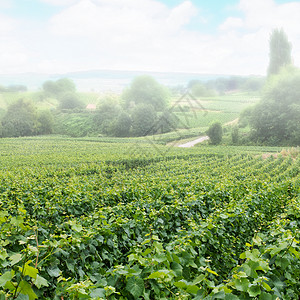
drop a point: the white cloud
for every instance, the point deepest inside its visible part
(110, 18)
(6, 24)
(131, 34)
(181, 15)
(253, 32)
(147, 35)
(232, 23)
(12, 54)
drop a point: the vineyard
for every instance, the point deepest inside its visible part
(83, 219)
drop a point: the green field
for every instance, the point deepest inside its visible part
(102, 218)
(201, 112)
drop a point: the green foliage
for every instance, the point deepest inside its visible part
(145, 90)
(235, 134)
(85, 219)
(245, 116)
(70, 100)
(143, 120)
(280, 51)
(122, 125)
(75, 124)
(198, 89)
(20, 119)
(276, 118)
(107, 114)
(58, 87)
(45, 122)
(166, 122)
(215, 133)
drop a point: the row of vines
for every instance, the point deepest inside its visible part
(89, 222)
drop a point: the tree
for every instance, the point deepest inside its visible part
(235, 134)
(20, 120)
(59, 87)
(70, 100)
(198, 89)
(276, 118)
(280, 51)
(121, 126)
(146, 90)
(106, 114)
(166, 122)
(143, 120)
(45, 122)
(215, 133)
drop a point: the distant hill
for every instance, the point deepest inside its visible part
(102, 80)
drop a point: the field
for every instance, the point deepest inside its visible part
(201, 112)
(126, 219)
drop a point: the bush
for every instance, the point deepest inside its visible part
(235, 135)
(70, 101)
(45, 122)
(215, 133)
(121, 126)
(146, 90)
(143, 120)
(276, 118)
(20, 120)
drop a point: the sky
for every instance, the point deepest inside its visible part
(192, 36)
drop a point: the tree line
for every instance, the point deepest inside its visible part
(141, 110)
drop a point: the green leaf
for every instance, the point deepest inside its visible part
(199, 279)
(25, 289)
(147, 251)
(98, 293)
(282, 262)
(257, 240)
(135, 285)
(146, 241)
(15, 258)
(159, 257)
(40, 281)
(30, 271)
(22, 297)
(277, 282)
(7, 276)
(182, 284)
(76, 227)
(293, 251)
(231, 297)
(265, 296)
(158, 247)
(219, 295)
(266, 286)
(159, 274)
(53, 271)
(250, 268)
(3, 254)
(241, 284)
(177, 268)
(254, 290)
(16, 221)
(70, 265)
(192, 289)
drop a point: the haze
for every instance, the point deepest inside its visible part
(212, 37)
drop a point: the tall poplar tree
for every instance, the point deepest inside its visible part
(280, 51)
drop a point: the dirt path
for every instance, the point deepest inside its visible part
(194, 142)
